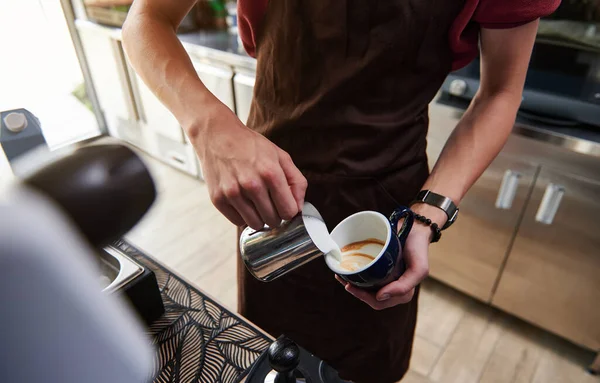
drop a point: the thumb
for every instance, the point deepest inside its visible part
(295, 179)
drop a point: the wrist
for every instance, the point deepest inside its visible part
(200, 122)
(424, 230)
(435, 214)
(215, 120)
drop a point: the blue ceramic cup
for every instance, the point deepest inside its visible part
(371, 247)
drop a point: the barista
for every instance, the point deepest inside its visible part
(341, 106)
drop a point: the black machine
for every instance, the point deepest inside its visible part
(563, 80)
(104, 190)
(286, 362)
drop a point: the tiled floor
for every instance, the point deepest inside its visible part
(459, 340)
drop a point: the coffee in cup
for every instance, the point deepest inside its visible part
(371, 248)
(357, 255)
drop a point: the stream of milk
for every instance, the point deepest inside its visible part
(319, 234)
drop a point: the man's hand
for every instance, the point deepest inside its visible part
(416, 255)
(250, 180)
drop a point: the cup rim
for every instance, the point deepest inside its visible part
(383, 249)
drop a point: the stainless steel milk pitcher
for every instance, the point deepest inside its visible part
(270, 253)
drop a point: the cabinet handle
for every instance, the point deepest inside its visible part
(176, 159)
(550, 203)
(508, 189)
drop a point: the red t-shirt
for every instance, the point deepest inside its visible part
(464, 33)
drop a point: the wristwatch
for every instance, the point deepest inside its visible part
(430, 198)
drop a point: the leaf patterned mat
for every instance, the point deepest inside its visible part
(197, 339)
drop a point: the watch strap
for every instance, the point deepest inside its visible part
(444, 203)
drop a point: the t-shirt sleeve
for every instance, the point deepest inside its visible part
(250, 14)
(501, 14)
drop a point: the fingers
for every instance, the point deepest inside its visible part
(277, 195)
(256, 191)
(268, 190)
(295, 179)
(262, 197)
(404, 288)
(230, 198)
(231, 214)
(371, 299)
(280, 194)
(367, 297)
(246, 210)
(398, 298)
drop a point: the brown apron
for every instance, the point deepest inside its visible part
(343, 86)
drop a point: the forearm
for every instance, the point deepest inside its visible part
(475, 142)
(484, 128)
(473, 145)
(161, 61)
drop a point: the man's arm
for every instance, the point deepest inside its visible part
(474, 143)
(487, 123)
(250, 180)
(150, 40)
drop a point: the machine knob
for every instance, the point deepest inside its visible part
(458, 87)
(284, 357)
(15, 122)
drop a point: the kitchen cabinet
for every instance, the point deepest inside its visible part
(243, 85)
(218, 79)
(166, 139)
(471, 254)
(552, 276)
(164, 136)
(527, 239)
(153, 114)
(108, 69)
(180, 155)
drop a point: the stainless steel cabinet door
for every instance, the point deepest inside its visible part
(107, 65)
(217, 79)
(244, 91)
(552, 277)
(471, 253)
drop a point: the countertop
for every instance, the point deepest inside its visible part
(197, 339)
(583, 141)
(225, 48)
(212, 45)
(578, 139)
(219, 45)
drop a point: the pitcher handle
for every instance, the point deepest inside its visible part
(408, 215)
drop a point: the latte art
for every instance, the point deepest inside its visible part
(357, 255)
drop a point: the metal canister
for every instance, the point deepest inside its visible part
(270, 253)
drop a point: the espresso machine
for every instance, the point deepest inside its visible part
(286, 362)
(59, 277)
(63, 213)
(103, 190)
